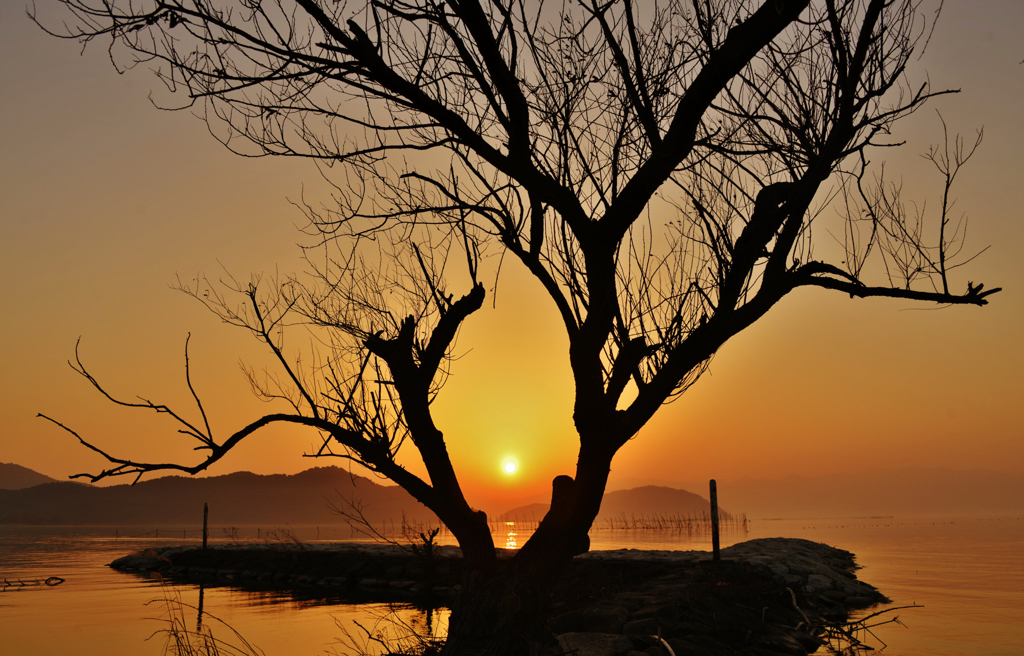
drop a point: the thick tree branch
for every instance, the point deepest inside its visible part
(975, 294)
(740, 46)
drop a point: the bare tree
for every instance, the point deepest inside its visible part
(658, 167)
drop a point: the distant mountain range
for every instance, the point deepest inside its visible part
(310, 497)
(642, 504)
(16, 477)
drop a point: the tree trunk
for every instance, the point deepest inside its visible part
(506, 613)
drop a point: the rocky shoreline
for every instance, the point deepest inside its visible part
(767, 596)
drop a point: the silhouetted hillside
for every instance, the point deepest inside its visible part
(648, 502)
(238, 498)
(656, 500)
(16, 477)
(533, 512)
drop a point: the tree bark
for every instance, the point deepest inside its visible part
(506, 613)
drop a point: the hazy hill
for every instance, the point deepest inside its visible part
(306, 498)
(16, 477)
(238, 498)
(656, 500)
(907, 491)
(647, 501)
(533, 512)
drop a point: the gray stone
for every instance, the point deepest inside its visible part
(686, 648)
(786, 643)
(817, 583)
(664, 612)
(807, 641)
(571, 622)
(647, 626)
(355, 567)
(633, 602)
(595, 644)
(694, 628)
(708, 643)
(792, 580)
(145, 561)
(606, 620)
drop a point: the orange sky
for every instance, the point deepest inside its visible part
(104, 199)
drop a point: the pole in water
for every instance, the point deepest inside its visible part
(206, 516)
(199, 614)
(714, 522)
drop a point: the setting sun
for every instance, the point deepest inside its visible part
(509, 467)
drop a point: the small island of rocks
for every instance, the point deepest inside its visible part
(770, 596)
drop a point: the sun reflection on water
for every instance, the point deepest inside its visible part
(510, 537)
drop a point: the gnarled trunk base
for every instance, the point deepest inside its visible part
(505, 615)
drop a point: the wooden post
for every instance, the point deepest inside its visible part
(714, 522)
(199, 615)
(206, 516)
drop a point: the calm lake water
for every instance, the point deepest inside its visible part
(967, 573)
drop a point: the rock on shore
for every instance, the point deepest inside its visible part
(766, 596)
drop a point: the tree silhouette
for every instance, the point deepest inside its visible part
(657, 167)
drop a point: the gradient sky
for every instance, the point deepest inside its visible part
(105, 199)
